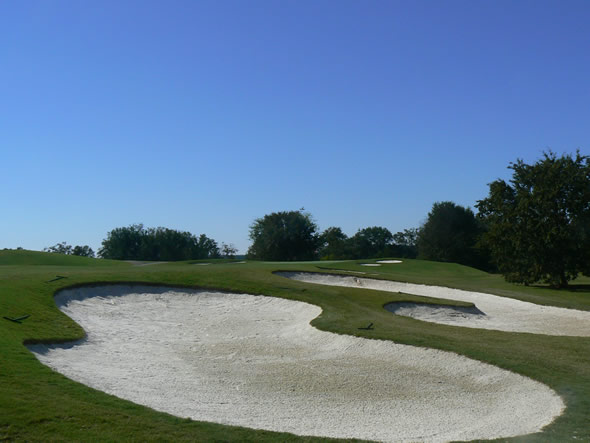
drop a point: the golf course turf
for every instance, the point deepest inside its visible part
(39, 404)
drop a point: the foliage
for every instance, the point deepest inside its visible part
(334, 244)
(124, 243)
(83, 251)
(406, 238)
(371, 242)
(539, 224)
(138, 243)
(228, 251)
(59, 248)
(64, 248)
(450, 234)
(206, 248)
(288, 235)
(293, 236)
(405, 244)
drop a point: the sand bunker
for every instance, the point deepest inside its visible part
(461, 315)
(389, 261)
(501, 313)
(255, 361)
(370, 264)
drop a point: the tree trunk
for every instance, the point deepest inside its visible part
(563, 281)
(559, 281)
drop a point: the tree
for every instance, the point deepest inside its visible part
(228, 251)
(538, 224)
(59, 248)
(289, 235)
(170, 245)
(64, 248)
(406, 238)
(450, 234)
(83, 251)
(207, 247)
(138, 243)
(334, 244)
(124, 243)
(371, 242)
(405, 243)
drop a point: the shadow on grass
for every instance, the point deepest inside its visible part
(570, 288)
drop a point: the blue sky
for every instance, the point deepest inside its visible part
(204, 115)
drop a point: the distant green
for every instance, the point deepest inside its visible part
(38, 404)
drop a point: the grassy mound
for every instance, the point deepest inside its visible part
(20, 257)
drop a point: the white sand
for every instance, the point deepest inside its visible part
(370, 264)
(501, 313)
(255, 361)
(436, 313)
(389, 261)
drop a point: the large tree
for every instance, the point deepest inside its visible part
(450, 234)
(334, 244)
(371, 242)
(125, 243)
(538, 224)
(288, 235)
(83, 251)
(228, 251)
(404, 243)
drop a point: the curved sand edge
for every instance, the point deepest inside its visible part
(255, 361)
(435, 313)
(501, 313)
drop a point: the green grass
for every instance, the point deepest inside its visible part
(37, 404)
(452, 275)
(9, 257)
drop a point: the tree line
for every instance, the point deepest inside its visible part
(294, 235)
(64, 248)
(535, 228)
(136, 242)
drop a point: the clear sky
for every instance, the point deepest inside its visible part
(204, 115)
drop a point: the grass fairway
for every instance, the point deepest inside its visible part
(38, 404)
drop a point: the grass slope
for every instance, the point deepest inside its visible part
(37, 404)
(9, 257)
